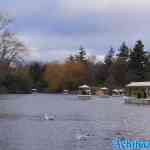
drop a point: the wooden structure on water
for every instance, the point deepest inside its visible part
(138, 93)
(84, 92)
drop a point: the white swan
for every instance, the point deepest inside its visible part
(47, 117)
(81, 137)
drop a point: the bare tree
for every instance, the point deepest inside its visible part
(10, 46)
(4, 21)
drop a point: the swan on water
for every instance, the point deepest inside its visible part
(48, 117)
(82, 137)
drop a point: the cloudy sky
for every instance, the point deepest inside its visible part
(53, 29)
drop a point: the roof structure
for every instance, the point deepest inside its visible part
(84, 86)
(104, 88)
(139, 84)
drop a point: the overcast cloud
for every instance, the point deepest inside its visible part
(53, 29)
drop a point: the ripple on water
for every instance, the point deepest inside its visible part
(79, 125)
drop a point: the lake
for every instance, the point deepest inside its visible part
(78, 125)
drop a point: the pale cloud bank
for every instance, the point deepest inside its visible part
(54, 29)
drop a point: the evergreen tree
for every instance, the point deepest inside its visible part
(123, 51)
(137, 62)
(36, 70)
(109, 57)
(147, 67)
(81, 57)
(118, 71)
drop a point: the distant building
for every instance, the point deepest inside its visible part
(138, 92)
(102, 92)
(84, 92)
(105, 90)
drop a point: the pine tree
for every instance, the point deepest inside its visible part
(137, 62)
(81, 57)
(109, 57)
(123, 51)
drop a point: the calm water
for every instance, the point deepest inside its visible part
(78, 125)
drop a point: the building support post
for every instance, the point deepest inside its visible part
(147, 92)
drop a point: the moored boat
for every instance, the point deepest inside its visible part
(66, 92)
(34, 91)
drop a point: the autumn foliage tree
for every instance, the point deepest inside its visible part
(54, 75)
(75, 75)
(64, 76)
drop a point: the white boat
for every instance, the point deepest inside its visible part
(117, 92)
(66, 92)
(34, 91)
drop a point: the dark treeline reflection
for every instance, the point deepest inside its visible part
(118, 68)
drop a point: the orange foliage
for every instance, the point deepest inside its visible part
(54, 74)
(75, 74)
(65, 76)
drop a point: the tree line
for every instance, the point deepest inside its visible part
(120, 66)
